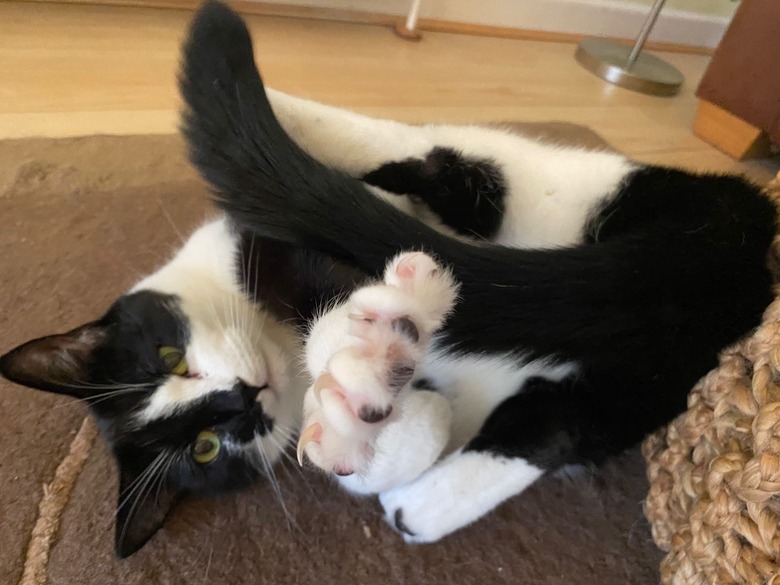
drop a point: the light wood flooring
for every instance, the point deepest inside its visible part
(68, 70)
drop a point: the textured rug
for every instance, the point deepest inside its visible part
(82, 219)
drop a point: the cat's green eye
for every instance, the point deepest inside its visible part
(206, 447)
(174, 360)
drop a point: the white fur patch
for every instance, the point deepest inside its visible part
(551, 189)
(231, 339)
(424, 423)
(551, 192)
(476, 384)
(342, 139)
(356, 354)
(456, 492)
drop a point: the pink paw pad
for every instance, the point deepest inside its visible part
(388, 326)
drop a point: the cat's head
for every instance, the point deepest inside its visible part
(192, 384)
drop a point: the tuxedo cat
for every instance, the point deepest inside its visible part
(559, 355)
(562, 355)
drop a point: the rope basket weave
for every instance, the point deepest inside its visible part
(714, 499)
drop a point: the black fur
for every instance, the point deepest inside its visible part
(542, 424)
(467, 194)
(120, 350)
(121, 347)
(292, 283)
(674, 269)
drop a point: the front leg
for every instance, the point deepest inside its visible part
(361, 419)
(529, 434)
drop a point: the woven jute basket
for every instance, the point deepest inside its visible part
(714, 499)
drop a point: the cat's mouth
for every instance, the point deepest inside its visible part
(255, 422)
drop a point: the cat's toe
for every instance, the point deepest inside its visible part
(420, 512)
(408, 445)
(431, 284)
(333, 438)
(398, 521)
(362, 371)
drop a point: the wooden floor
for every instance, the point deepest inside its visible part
(74, 70)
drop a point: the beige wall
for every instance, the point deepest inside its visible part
(724, 8)
(691, 22)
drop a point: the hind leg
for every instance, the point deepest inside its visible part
(464, 193)
(344, 140)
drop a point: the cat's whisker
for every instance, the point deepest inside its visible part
(144, 490)
(143, 486)
(91, 385)
(171, 459)
(293, 464)
(254, 294)
(131, 489)
(170, 221)
(137, 274)
(98, 398)
(232, 311)
(246, 264)
(234, 318)
(215, 313)
(283, 447)
(273, 481)
(288, 434)
(289, 439)
(247, 271)
(269, 471)
(211, 552)
(128, 492)
(284, 430)
(89, 400)
(242, 323)
(254, 291)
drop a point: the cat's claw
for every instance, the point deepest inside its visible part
(309, 434)
(362, 356)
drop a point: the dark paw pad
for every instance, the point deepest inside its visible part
(398, 520)
(370, 414)
(398, 376)
(424, 384)
(405, 326)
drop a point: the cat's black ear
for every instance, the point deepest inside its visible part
(145, 499)
(56, 363)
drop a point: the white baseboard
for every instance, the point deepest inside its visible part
(605, 18)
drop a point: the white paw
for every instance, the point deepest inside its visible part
(422, 512)
(454, 493)
(362, 356)
(407, 446)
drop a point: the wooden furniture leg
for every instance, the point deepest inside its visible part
(408, 29)
(728, 133)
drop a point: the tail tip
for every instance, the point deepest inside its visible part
(217, 31)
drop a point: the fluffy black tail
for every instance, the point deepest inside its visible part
(261, 177)
(693, 282)
(266, 182)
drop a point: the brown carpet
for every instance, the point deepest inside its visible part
(81, 220)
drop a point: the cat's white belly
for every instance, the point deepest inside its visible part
(475, 385)
(548, 203)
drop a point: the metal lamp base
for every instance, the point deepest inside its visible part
(647, 74)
